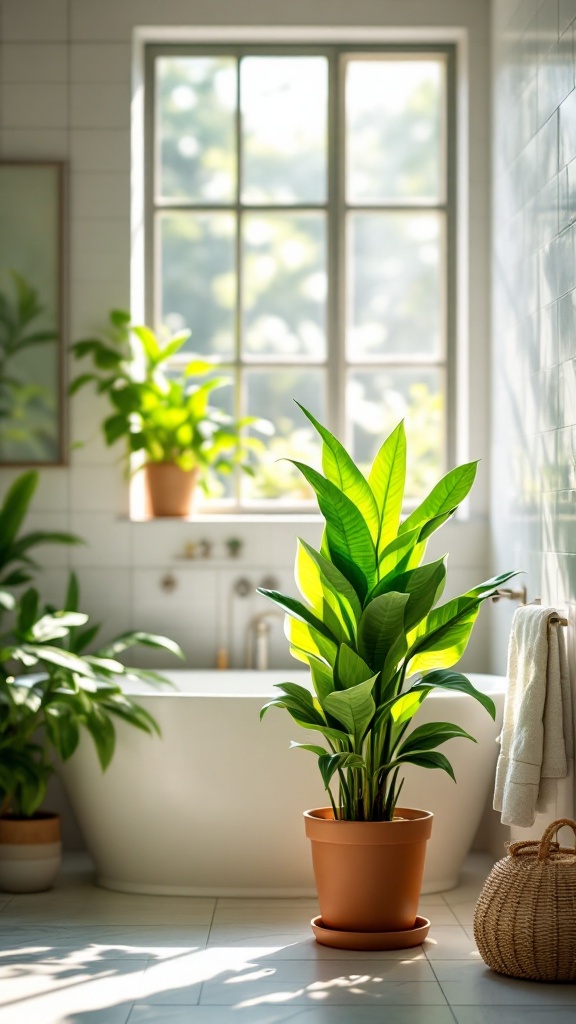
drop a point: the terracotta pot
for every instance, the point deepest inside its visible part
(169, 489)
(368, 873)
(30, 852)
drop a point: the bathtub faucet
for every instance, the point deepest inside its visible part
(257, 640)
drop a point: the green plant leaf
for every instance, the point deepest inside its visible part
(348, 537)
(381, 625)
(14, 509)
(444, 497)
(354, 708)
(387, 479)
(308, 640)
(63, 729)
(322, 677)
(102, 731)
(350, 668)
(319, 751)
(323, 598)
(456, 681)
(424, 586)
(329, 764)
(431, 735)
(297, 610)
(336, 583)
(429, 759)
(342, 471)
(404, 707)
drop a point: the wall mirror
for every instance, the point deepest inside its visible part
(31, 313)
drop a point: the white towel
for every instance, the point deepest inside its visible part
(537, 746)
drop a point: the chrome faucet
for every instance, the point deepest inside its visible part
(257, 640)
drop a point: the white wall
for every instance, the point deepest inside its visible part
(65, 92)
(533, 450)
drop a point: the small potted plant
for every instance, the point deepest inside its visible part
(377, 642)
(163, 416)
(50, 689)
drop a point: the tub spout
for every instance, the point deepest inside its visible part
(257, 640)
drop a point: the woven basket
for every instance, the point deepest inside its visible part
(525, 917)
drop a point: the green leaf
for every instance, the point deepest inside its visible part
(443, 636)
(15, 507)
(381, 625)
(429, 759)
(349, 541)
(354, 708)
(342, 471)
(305, 638)
(319, 751)
(137, 637)
(56, 625)
(322, 597)
(404, 707)
(444, 497)
(456, 681)
(297, 610)
(322, 678)
(57, 656)
(431, 735)
(424, 586)
(387, 480)
(350, 668)
(102, 731)
(329, 764)
(63, 729)
(336, 583)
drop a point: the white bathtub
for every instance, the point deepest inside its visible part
(215, 806)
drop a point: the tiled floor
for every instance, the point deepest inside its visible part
(82, 955)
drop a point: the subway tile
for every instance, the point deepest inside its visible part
(33, 62)
(567, 136)
(100, 62)
(34, 144)
(100, 149)
(27, 20)
(100, 105)
(35, 105)
(566, 14)
(98, 489)
(100, 195)
(107, 540)
(100, 236)
(567, 388)
(105, 595)
(567, 326)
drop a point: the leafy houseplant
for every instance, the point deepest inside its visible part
(377, 643)
(50, 689)
(164, 417)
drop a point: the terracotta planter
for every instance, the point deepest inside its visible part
(30, 852)
(169, 489)
(369, 873)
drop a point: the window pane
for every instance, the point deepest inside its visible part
(284, 109)
(270, 394)
(395, 299)
(284, 286)
(376, 401)
(196, 128)
(394, 140)
(198, 280)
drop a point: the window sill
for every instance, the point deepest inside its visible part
(238, 518)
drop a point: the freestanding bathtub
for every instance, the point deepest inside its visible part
(214, 806)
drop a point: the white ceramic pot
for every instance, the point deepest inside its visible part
(30, 852)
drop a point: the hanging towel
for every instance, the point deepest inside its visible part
(537, 718)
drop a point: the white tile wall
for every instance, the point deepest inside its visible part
(65, 74)
(534, 328)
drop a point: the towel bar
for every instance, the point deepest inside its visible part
(521, 595)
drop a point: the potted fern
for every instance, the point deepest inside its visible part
(163, 417)
(51, 688)
(377, 642)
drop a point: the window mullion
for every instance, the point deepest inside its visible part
(335, 254)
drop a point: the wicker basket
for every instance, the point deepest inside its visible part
(525, 917)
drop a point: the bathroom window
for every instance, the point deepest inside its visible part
(300, 222)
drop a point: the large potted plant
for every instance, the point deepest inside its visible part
(165, 417)
(377, 642)
(50, 689)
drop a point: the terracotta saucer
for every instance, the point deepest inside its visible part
(370, 940)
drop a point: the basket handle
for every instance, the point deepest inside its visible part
(545, 842)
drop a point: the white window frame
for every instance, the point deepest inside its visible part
(452, 42)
